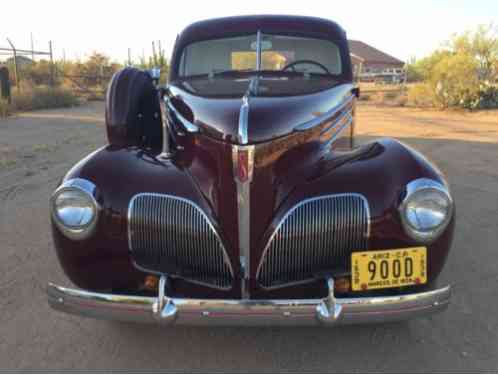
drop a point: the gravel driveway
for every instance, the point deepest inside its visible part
(36, 149)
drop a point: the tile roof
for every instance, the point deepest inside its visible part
(370, 54)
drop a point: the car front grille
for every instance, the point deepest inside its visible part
(172, 235)
(315, 237)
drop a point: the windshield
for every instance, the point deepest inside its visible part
(261, 52)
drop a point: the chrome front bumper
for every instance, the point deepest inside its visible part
(326, 311)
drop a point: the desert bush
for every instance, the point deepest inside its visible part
(460, 75)
(454, 81)
(421, 69)
(401, 100)
(42, 97)
(420, 95)
(391, 95)
(488, 97)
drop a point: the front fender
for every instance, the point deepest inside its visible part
(102, 261)
(380, 174)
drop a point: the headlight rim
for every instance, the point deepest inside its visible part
(89, 190)
(417, 186)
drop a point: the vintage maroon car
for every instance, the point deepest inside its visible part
(237, 194)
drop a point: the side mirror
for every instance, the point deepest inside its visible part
(162, 90)
(356, 91)
(155, 74)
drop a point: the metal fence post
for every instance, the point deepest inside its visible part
(16, 71)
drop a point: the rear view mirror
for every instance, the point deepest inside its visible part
(265, 45)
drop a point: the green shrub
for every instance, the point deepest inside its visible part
(454, 81)
(461, 75)
(488, 97)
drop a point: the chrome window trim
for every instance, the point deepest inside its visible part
(88, 188)
(208, 221)
(290, 212)
(415, 186)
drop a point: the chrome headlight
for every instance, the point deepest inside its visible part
(74, 208)
(426, 209)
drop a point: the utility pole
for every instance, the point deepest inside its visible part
(16, 71)
(161, 53)
(52, 81)
(129, 56)
(32, 48)
(154, 53)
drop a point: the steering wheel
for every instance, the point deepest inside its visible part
(310, 62)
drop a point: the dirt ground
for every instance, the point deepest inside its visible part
(36, 149)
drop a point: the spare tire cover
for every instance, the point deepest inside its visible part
(132, 110)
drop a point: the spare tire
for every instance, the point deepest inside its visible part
(132, 111)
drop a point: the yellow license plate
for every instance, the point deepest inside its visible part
(388, 268)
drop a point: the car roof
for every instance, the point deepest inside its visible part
(285, 24)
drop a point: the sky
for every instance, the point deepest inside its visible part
(403, 29)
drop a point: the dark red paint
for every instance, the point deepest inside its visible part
(289, 167)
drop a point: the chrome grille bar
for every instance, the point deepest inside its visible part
(316, 236)
(173, 236)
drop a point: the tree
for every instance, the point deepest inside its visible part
(464, 72)
(482, 45)
(413, 71)
(454, 81)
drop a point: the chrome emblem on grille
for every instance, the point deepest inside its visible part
(243, 167)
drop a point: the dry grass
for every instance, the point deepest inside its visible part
(6, 163)
(4, 108)
(424, 123)
(44, 148)
(31, 98)
(43, 98)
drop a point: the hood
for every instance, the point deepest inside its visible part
(215, 106)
